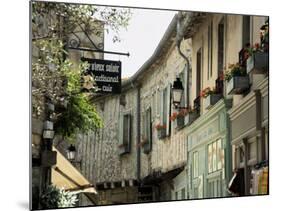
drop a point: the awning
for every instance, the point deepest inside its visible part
(158, 177)
(65, 175)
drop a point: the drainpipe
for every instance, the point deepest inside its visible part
(179, 38)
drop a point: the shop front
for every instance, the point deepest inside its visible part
(249, 126)
(208, 161)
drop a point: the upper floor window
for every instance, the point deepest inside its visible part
(210, 50)
(221, 29)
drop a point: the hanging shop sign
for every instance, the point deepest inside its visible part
(106, 75)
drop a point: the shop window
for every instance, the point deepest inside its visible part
(252, 151)
(214, 188)
(195, 164)
(125, 134)
(183, 193)
(266, 145)
(147, 136)
(215, 156)
(241, 155)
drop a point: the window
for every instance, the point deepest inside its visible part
(183, 193)
(176, 195)
(214, 188)
(195, 164)
(215, 156)
(220, 46)
(246, 36)
(147, 131)
(125, 134)
(198, 71)
(210, 50)
(183, 80)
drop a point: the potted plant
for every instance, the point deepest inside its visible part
(211, 96)
(191, 115)
(237, 79)
(257, 59)
(161, 131)
(181, 117)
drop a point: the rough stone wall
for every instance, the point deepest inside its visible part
(171, 152)
(99, 150)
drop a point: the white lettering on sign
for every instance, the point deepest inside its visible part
(103, 78)
(107, 88)
(112, 68)
(97, 67)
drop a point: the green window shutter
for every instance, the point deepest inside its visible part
(161, 107)
(121, 120)
(125, 134)
(168, 109)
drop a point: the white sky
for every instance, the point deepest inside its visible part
(143, 34)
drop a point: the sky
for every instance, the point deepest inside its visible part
(141, 38)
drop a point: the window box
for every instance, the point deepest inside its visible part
(180, 121)
(211, 100)
(161, 133)
(257, 63)
(237, 85)
(190, 117)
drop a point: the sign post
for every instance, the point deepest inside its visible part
(106, 75)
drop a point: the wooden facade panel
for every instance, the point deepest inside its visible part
(244, 122)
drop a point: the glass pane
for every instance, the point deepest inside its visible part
(252, 153)
(214, 153)
(183, 193)
(195, 164)
(210, 160)
(219, 154)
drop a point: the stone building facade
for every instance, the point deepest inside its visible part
(142, 154)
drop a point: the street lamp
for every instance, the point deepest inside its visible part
(177, 91)
(71, 152)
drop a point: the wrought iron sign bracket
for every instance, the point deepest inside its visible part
(74, 44)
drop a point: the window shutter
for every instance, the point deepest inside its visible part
(168, 111)
(161, 107)
(148, 129)
(127, 138)
(121, 120)
(125, 134)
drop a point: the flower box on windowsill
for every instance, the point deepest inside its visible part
(238, 85)
(161, 133)
(191, 117)
(211, 100)
(180, 122)
(257, 63)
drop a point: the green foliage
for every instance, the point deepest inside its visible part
(54, 77)
(235, 70)
(54, 197)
